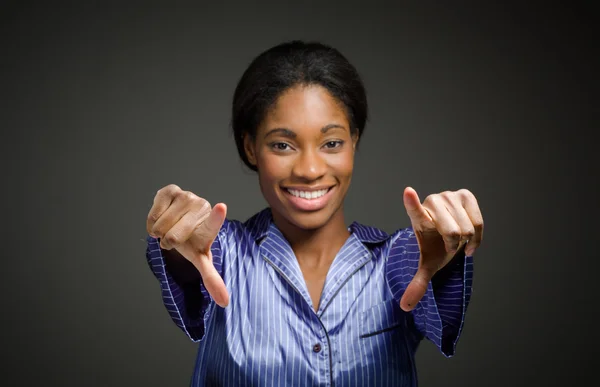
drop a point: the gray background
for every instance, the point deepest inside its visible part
(104, 103)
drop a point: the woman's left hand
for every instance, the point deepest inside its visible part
(442, 225)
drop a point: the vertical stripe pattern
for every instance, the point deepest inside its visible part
(270, 335)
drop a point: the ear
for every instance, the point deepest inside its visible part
(354, 139)
(249, 149)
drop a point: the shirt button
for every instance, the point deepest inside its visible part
(317, 348)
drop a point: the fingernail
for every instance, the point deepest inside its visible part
(408, 307)
(221, 298)
(222, 302)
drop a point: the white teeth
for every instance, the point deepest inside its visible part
(308, 194)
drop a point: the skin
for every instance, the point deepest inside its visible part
(305, 141)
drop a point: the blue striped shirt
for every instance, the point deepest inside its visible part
(270, 335)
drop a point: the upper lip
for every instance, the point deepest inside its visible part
(309, 189)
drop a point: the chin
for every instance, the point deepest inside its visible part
(309, 220)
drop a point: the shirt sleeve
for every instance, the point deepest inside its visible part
(189, 305)
(440, 314)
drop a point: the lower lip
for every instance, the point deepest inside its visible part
(303, 204)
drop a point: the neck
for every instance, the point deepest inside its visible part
(315, 246)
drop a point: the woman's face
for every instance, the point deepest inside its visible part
(304, 153)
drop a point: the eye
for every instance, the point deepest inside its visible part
(333, 144)
(280, 146)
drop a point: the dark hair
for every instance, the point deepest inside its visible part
(290, 64)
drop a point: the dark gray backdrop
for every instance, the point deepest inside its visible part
(105, 103)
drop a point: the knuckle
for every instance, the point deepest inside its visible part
(467, 196)
(452, 234)
(170, 188)
(173, 191)
(188, 195)
(153, 217)
(204, 204)
(432, 199)
(157, 232)
(172, 238)
(451, 198)
(180, 194)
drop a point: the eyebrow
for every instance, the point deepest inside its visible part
(291, 134)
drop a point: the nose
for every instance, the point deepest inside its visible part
(309, 166)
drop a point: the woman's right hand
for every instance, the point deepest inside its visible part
(188, 224)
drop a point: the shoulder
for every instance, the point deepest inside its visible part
(251, 229)
(383, 245)
(375, 236)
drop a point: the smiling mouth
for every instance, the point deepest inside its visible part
(309, 195)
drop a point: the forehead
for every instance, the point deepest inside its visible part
(304, 108)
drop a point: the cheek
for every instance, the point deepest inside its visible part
(272, 168)
(343, 164)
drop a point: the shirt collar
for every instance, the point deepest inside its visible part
(259, 224)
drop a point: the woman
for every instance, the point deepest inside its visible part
(293, 296)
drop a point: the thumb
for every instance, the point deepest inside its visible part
(203, 238)
(416, 212)
(416, 289)
(206, 232)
